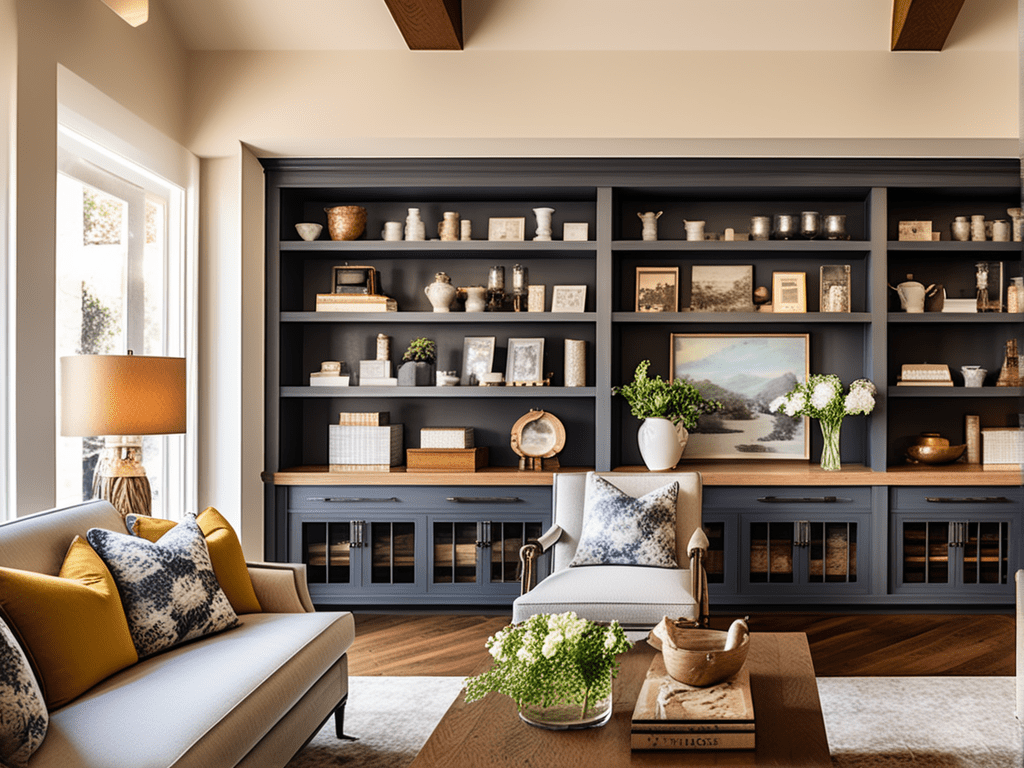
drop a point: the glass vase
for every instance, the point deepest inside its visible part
(830, 449)
(563, 716)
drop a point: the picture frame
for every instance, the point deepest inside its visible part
(745, 371)
(568, 298)
(509, 229)
(525, 361)
(722, 288)
(834, 285)
(789, 292)
(477, 358)
(657, 289)
(575, 231)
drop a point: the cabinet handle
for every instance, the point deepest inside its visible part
(484, 534)
(358, 533)
(803, 533)
(801, 500)
(967, 500)
(484, 499)
(349, 499)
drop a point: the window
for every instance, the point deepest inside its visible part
(119, 284)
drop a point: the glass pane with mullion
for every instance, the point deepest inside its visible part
(714, 562)
(314, 551)
(915, 556)
(840, 552)
(780, 552)
(985, 560)
(938, 553)
(339, 553)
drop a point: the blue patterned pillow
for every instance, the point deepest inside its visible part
(168, 588)
(23, 715)
(621, 530)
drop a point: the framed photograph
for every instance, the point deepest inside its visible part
(722, 288)
(789, 292)
(745, 371)
(506, 229)
(657, 289)
(568, 298)
(835, 288)
(477, 357)
(525, 360)
(575, 231)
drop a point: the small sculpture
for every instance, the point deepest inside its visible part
(650, 224)
(543, 223)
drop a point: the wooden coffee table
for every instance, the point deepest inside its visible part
(790, 728)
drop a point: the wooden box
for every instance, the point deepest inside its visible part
(445, 459)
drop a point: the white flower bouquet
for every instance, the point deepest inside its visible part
(821, 397)
(552, 659)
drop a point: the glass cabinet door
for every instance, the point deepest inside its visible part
(926, 551)
(771, 552)
(326, 551)
(455, 549)
(505, 540)
(986, 552)
(392, 552)
(831, 552)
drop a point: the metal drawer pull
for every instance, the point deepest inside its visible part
(484, 499)
(967, 500)
(798, 500)
(350, 500)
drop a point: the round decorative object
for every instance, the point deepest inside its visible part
(346, 222)
(538, 435)
(701, 657)
(931, 448)
(309, 230)
(561, 716)
(661, 443)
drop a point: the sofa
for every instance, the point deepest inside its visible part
(1020, 645)
(251, 695)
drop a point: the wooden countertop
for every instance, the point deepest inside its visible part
(744, 473)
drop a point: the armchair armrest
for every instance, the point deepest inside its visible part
(529, 553)
(697, 549)
(281, 587)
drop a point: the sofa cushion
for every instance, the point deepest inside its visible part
(621, 530)
(204, 704)
(632, 596)
(72, 626)
(168, 587)
(23, 716)
(225, 553)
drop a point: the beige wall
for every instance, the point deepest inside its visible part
(337, 103)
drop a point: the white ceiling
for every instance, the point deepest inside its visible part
(582, 25)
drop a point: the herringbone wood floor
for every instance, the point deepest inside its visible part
(841, 645)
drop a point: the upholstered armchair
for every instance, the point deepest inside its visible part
(1020, 645)
(637, 596)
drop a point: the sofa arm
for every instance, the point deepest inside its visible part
(1020, 645)
(281, 587)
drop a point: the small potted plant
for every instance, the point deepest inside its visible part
(668, 410)
(417, 368)
(557, 667)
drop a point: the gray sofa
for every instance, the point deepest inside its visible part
(250, 696)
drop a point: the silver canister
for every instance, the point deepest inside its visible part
(785, 226)
(760, 227)
(835, 227)
(810, 224)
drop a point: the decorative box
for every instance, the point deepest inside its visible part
(446, 437)
(1002, 445)
(365, 448)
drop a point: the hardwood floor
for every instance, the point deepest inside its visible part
(841, 644)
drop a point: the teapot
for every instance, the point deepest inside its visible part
(912, 294)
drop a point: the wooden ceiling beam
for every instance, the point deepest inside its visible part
(429, 25)
(922, 25)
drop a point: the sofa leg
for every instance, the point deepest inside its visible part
(339, 722)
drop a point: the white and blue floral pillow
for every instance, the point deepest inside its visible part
(168, 588)
(23, 715)
(621, 530)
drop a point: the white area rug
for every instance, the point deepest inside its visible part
(872, 722)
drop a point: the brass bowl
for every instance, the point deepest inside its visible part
(935, 454)
(699, 658)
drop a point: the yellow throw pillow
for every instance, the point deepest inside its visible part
(225, 554)
(72, 626)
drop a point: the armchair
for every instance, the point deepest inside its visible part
(1020, 645)
(638, 597)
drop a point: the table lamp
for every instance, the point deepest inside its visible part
(121, 398)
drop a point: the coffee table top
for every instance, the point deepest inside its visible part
(790, 727)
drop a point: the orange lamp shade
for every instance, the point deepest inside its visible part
(122, 395)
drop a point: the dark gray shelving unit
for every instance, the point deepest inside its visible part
(872, 341)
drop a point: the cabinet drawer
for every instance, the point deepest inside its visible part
(818, 499)
(454, 499)
(940, 500)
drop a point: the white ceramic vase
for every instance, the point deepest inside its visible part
(661, 443)
(543, 223)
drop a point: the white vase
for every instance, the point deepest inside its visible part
(661, 443)
(543, 223)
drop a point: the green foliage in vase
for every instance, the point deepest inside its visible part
(420, 350)
(550, 659)
(677, 401)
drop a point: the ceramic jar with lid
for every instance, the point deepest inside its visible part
(441, 293)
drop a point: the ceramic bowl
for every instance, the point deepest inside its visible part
(699, 658)
(309, 231)
(935, 454)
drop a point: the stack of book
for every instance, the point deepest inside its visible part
(365, 442)
(354, 302)
(673, 715)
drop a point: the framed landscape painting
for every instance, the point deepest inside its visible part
(745, 372)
